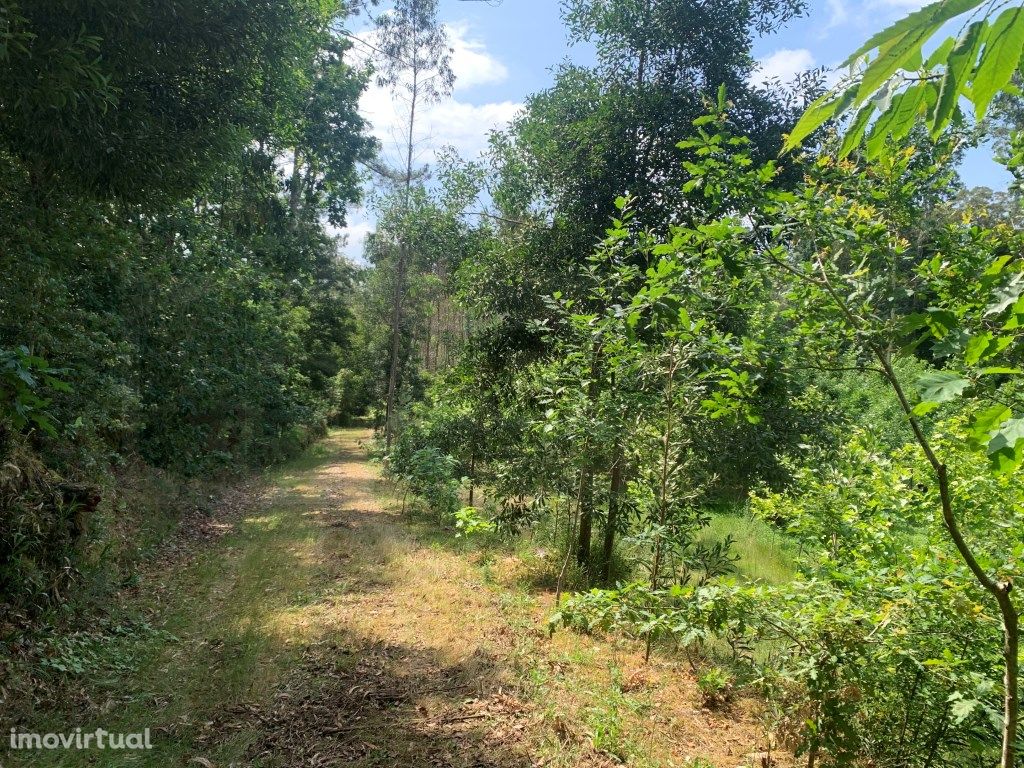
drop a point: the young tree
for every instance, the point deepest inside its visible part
(974, 67)
(414, 61)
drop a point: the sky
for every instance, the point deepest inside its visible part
(505, 50)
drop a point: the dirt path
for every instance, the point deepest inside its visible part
(326, 630)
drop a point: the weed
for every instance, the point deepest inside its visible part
(715, 686)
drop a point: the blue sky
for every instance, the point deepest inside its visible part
(506, 51)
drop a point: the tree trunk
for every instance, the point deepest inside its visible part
(1011, 656)
(614, 497)
(1000, 590)
(391, 405)
(396, 342)
(587, 490)
(586, 519)
(295, 195)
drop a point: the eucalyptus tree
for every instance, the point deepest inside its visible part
(414, 61)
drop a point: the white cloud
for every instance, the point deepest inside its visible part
(838, 14)
(355, 236)
(471, 62)
(454, 121)
(466, 126)
(784, 64)
(449, 122)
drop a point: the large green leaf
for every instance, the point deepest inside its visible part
(1007, 436)
(984, 423)
(1002, 52)
(891, 58)
(909, 108)
(856, 131)
(820, 110)
(1004, 450)
(958, 69)
(1006, 295)
(978, 347)
(897, 120)
(940, 54)
(933, 15)
(941, 386)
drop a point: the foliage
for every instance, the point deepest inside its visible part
(23, 379)
(867, 642)
(910, 77)
(715, 686)
(469, 522)
(161, 297)
(429, 475)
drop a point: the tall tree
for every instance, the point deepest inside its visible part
(414, 61)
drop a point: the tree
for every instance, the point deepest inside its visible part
(975, 67)
(415, 62)
(893, 84)
(173, 312)
(140, 101)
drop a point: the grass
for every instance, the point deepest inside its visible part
(392, 642)
(221, 640)
(765, 553)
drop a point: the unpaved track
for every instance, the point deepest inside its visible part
(320, 627)
(401, 658)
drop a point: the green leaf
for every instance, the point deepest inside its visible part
(820, 110)
(940, 54)
(984, 422)
(958, 68)
(999, 59)
(941, 386)
(906, 112)
(892, 57)
(961, 709)
(941, 322)
(856, 130)
(1007, 435)
(924, 408)
(977, 347)
(897, 120)
(1006, 295)
(933, 15)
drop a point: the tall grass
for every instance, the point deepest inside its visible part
(766, 553)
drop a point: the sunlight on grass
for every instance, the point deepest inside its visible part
(766, 554)
(239, 615)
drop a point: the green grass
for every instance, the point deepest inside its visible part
(219, 640)
(766, 554)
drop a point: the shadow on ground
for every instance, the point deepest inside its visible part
(321, 631)
(382, 705)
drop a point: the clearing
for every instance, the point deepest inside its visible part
(324, 628)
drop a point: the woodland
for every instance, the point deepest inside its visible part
(732, 367)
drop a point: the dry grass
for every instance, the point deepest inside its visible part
(325, 629)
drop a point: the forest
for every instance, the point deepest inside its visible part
(723, 376)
